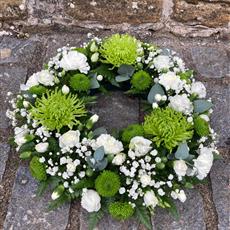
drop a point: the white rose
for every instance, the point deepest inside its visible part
(150, 199)
(65, 89)
(145, 180)
(180, 167)
(162, 62)
(203, 163)
(42, 147)
(140, 145)
(45, 78)
(110, 144)
(181, 103)
(69, 139)
(94, 118)
(32, 81)
(74, 60)
(119, 159)
(91, 201)
(199, 89)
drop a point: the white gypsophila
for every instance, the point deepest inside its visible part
(180, 167)
(110, 144)
(140, 145)
(145, 180)
(69, 139)
(45, 78)
(119, 159)
(150, 199)
(19, 135)
(199, 89)
(32, 81)
(91, 201)
(42, 147)
(181, 103)
(74, 60)
(203, 163)
(179, 194)
(161, 62)
(171, 81)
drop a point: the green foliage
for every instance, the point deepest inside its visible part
(132, 131)
(55, 110)
(119, 49)
(84, 183)
(141, 80)
(143, 216)
(27, 147)
(201, 126)
(37, 169)
(121, 210)
(37, 89)
(80, 82)
(94, 218)
(167, 127)
(108, 183)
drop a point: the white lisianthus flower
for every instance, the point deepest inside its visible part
(32, 81)
(119, 159)
(45, 78)
(42, 147)
(199, 89)
(171, 81)
(180, 167)
(110, 144)
(203, 163)
(161, 62)
(65, 89)
(69, 139)
(19, 135)
(140, 145)
(181, 103)
(91, 201)
(150, 199)
(145, 180)
(179, 195)
(74, 60)
(94, 118)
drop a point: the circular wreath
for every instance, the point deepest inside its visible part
(146, 165)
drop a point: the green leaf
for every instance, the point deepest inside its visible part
(126, 70)
(99, 153)
(94, 218)
(25, 155)
(41, 188)
(58, 202)
(217, 156)
(53, 145)
(156, 89)
(97, 132)
(94, 83)
(29, 146)
(182, 151)
(121, 78)
(172, 209)
(201, 106)
(84, 183)
(144, 216)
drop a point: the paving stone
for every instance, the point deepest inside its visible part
(210, 62)
(220, 177)
(191, 215)
(28, 212)
(4, 151)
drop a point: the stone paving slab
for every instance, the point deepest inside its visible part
(28, 212)
(191, 215)
(4, 152)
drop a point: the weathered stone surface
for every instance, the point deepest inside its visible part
(220, 177)
(210, 62)
(202, 13)
(28, 212)
(113, 12)
(4, 151)
(191, 215)
(220, 95)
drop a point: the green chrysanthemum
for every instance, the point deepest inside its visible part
(37, 169)
(80, 82)
(55, 110)
(121, 210)
(132, 131)
(167, 127)
(141, 80)
(119, 49)
(201, 126)
(107, 184)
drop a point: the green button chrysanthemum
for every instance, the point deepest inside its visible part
(121, 210)
(167, 127)
(55, 110)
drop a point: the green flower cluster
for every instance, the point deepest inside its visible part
(80, 82)
(167, 127)
(141, 80)
(121, 210)
(132, 131)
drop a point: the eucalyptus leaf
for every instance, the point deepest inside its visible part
(182, 151)
(126, 69)
(94, 83)
(201, 106)
(99, 153)
(121, 78)
(156, 89)
(102, 164)
(101, 130)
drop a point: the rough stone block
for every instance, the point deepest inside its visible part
(4, 151)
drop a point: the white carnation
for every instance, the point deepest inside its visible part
(119, 159)
(199, 89)
(32, 81)
(91, 201)
(140, 145)
(74, 60)
(180, 167)
(45, 78)
(181, 103)
(19, 135)
(69, 139)
(162, 62)
(150, 199)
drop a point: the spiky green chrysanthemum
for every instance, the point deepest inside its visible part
(167, 127)
(37, 169)
(119, 49)
(55, 110)
(107, 184)
(141, 80)
(132, 131)
(80, 82)
(201, 126)
(121, 210)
